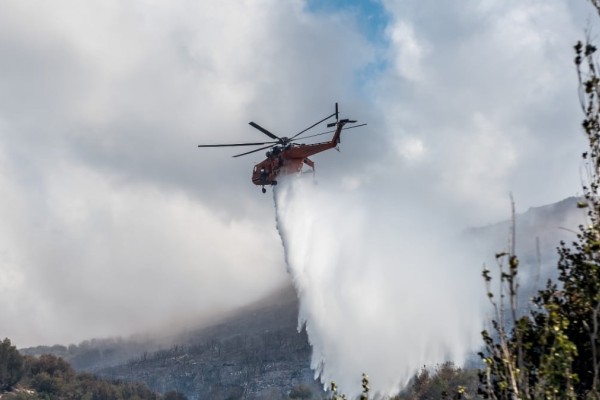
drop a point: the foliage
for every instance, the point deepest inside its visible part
(365, 387)
(445, 381)
(11, 365)
(363, 396)
(534, 359)
(334, 392)
(51, 377)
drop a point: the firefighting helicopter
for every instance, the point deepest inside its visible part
(284, 156)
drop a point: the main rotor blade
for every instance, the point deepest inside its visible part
(324, 133)
(254, 151)
(235, 144)
(312, 126)
(263, 130)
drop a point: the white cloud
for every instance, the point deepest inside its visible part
(409, 51)
(410, 148)
(495, 102)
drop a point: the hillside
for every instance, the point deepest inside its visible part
(259, 354)
(538, 232)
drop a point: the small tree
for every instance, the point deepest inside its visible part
(528, 356)
(11, 365)
(365, 387)
(334, 392)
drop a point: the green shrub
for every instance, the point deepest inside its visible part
(11, 365)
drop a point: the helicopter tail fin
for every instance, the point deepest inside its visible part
(338, 130)
(338, 134)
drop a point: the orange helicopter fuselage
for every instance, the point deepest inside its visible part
(291, 159)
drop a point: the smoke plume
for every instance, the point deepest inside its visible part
(384, 288)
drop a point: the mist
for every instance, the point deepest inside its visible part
(385, 286)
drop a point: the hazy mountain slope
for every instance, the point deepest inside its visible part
(256, 354)
(95, 354)
(538, 232)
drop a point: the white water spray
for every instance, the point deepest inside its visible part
(381, 289)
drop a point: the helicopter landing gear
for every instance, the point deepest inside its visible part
(264, 190)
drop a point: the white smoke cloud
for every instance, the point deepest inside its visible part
(383, 283)
(122, 258)
(113, 221)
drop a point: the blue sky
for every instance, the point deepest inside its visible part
(370, 15)
(371, 19)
